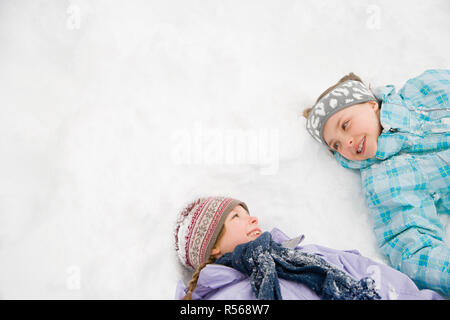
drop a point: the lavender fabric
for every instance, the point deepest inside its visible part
(218, 282)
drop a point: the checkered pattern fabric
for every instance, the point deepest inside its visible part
(407, 183)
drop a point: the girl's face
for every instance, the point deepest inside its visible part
(354, 131)
(240, 228)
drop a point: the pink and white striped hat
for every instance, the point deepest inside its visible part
(198, 227)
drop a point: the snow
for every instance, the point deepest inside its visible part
(116, 114)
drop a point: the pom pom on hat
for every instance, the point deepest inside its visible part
(198, 226)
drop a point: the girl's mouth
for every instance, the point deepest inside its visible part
(254, 233)
(362, 146)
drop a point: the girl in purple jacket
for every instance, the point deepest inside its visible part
(232, 258)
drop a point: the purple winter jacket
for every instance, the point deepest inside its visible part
(221, 282)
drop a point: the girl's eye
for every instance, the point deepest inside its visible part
(234, 216)
(344, 125)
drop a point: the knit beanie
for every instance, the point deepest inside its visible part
(198, 226)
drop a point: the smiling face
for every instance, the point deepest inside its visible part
(354, 131)
(239, 228)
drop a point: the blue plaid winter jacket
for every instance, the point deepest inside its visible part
(407, 183)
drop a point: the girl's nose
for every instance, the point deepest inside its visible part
(253, 220)
(350, 141)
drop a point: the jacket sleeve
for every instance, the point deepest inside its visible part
(406, 224)
(430, 90)
(180, 290)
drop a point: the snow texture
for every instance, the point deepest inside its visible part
(116, 114)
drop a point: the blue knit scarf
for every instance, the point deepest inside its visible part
(265, 260)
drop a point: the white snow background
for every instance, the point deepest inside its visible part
(115, 114)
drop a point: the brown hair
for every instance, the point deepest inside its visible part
(193, 283)
(350, 76)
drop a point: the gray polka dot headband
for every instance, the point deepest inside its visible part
(345, 95)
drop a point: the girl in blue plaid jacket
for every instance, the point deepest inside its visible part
(400, 143)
